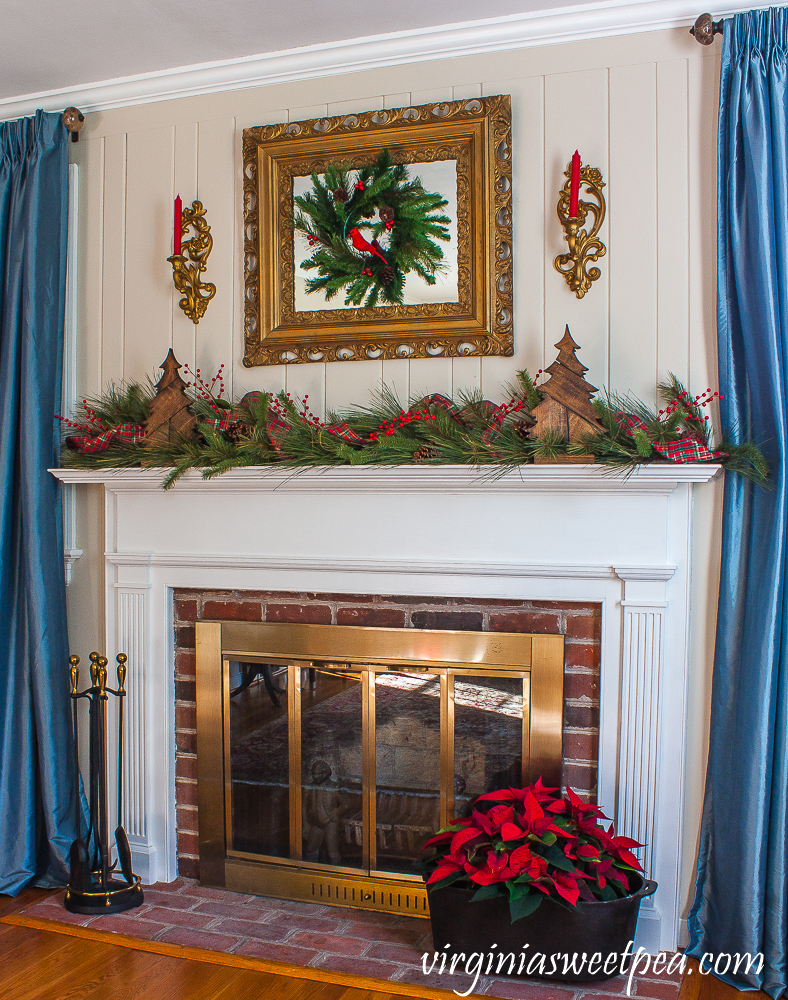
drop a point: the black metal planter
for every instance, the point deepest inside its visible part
(544, 937)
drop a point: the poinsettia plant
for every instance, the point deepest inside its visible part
(530, 844)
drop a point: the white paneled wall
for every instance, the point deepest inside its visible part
(623, 102)
(641, 107)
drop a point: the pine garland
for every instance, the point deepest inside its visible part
(266, 429)
(336, 216)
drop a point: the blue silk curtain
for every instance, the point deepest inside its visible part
(37, 793)
(741, 898)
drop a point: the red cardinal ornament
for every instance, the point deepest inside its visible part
(361, 244)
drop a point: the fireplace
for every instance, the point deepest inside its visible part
(327, 754)
(539, 534)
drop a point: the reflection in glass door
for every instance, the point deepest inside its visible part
(407, 742)
(352, 767)
(258, 758)
(332, 766)
(490, 735)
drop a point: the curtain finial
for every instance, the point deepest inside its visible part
(73, 119)
(704, 29)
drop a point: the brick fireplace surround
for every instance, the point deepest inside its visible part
(580, 623)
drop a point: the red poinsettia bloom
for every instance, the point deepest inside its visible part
(449, 864)
(524, 862)
(533, 841)
(465, 837)
(566, 886)
(495, 870)
(511, 831)
(538, 790)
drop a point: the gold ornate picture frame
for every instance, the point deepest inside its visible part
(461, 150)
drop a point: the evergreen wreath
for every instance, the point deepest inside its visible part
(333, 214)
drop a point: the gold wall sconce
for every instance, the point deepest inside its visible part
(189, 259)
(584, 245)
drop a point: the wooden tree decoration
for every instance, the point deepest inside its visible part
(566, 411)
(171, 418)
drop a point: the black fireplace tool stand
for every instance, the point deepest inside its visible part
(93, 885)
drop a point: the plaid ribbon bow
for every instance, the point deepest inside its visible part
(686, 449)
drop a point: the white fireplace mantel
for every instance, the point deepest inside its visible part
(549, 532)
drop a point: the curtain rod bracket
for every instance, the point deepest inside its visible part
(73, 119)
(704, 29)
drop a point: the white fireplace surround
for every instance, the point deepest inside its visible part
(550, 532)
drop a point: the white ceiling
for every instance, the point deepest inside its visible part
(101, 55)
(66, 43)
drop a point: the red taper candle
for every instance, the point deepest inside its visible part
(178, 227)
(574, 186)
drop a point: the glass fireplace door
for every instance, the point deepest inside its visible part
(350, 768)
(327, 754)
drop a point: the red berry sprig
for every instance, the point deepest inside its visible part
(305, 414)
(308, 417)
(686, 401)
(72, 423)
(390, 427)
(205, 390)
(503, 410)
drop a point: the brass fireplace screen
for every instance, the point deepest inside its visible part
(327, 754)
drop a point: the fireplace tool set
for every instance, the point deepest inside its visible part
(93, 885)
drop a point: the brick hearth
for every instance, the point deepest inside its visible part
(580, 623)
(324, 938)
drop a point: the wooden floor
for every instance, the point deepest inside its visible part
(46, 965)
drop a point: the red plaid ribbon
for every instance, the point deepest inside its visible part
(233, 418)
(251, 399)
(88, 444)
(489, 409)
(686, 449)
(224, 423)
(443, 403)
(344, 432)
(276, 429)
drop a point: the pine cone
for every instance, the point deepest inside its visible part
(425, 453)
(387, 275)
(341, 195)
(386, 213)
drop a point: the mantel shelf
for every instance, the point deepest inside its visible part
(599, 479)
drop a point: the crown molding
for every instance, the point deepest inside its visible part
(448, 41)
